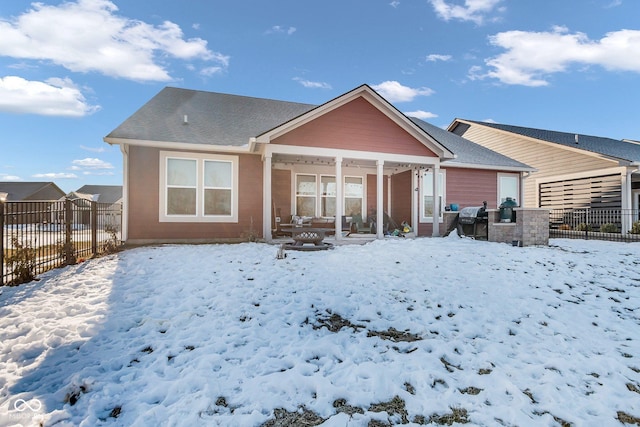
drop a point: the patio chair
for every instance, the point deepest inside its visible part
(361, 227)
(346, 226)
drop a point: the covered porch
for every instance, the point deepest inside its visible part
(326, 187)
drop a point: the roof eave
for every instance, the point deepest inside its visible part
(179, 145)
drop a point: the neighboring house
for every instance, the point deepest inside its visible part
(573, 170)
(108, 194)
(108, 208)
(31, 191)
(203, 166)
(36, 192)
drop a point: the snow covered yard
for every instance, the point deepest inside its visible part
(415, 332)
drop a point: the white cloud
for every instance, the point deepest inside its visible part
(91, 163)
(419, 114)
(210, 71)
(472, 10)
(393, 91)
(277, 29)
(93, 149)
(55, 97)
(88, 35)
(312, 85)
(55, 175)
(531, 57)
(394, 3)
(435, 57)
(6, 177)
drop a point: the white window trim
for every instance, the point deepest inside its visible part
(199, 216)
(443, 177)
(363, 180)
(509, 175)
(322, 196)
(315, 195)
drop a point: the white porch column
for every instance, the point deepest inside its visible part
(436, 202)
(415, 201)
(380, 199)
(267, 203)
(339, 199)
(389, 196)
(627, 201)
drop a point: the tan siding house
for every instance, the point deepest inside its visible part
(573, 170)
(202, 166)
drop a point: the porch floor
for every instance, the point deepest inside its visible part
(352, 239)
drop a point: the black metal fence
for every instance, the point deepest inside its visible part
(39, 236)
(599, 224)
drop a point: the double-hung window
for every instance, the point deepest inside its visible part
(198, 187)
(306, 195)
(327, 196)
(353, 195)
(428, 198)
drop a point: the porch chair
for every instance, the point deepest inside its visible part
(361, 227)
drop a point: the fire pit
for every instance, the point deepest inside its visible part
(308, 239)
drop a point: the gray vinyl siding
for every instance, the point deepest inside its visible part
(548, 160)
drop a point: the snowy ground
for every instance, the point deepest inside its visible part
(392, 332)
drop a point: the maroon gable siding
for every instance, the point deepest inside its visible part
(470, 187)
(401, 197)
(281, 193)
(144, 225)
(357, 125)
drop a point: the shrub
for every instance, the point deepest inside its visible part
(66, 251)
(608, 228)
(583, 227)
(564, 227)
(635, 228)
(112, 245)
(22, 261)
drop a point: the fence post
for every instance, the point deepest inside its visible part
(68, 248)
(3, 199)
(94, 228)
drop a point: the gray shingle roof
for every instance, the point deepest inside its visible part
(106, 193)
(607, 146)
(23, 190)
(468, 152)
(213, 118)
(231, 120)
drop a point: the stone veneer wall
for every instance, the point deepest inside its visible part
(530, 229)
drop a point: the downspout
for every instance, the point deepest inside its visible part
(124, 233)
(523, 176)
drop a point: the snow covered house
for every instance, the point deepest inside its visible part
(203, 166)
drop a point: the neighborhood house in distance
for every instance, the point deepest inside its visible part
(203, 166)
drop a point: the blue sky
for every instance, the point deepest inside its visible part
(72, 71)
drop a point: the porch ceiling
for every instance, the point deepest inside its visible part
(290, 159)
